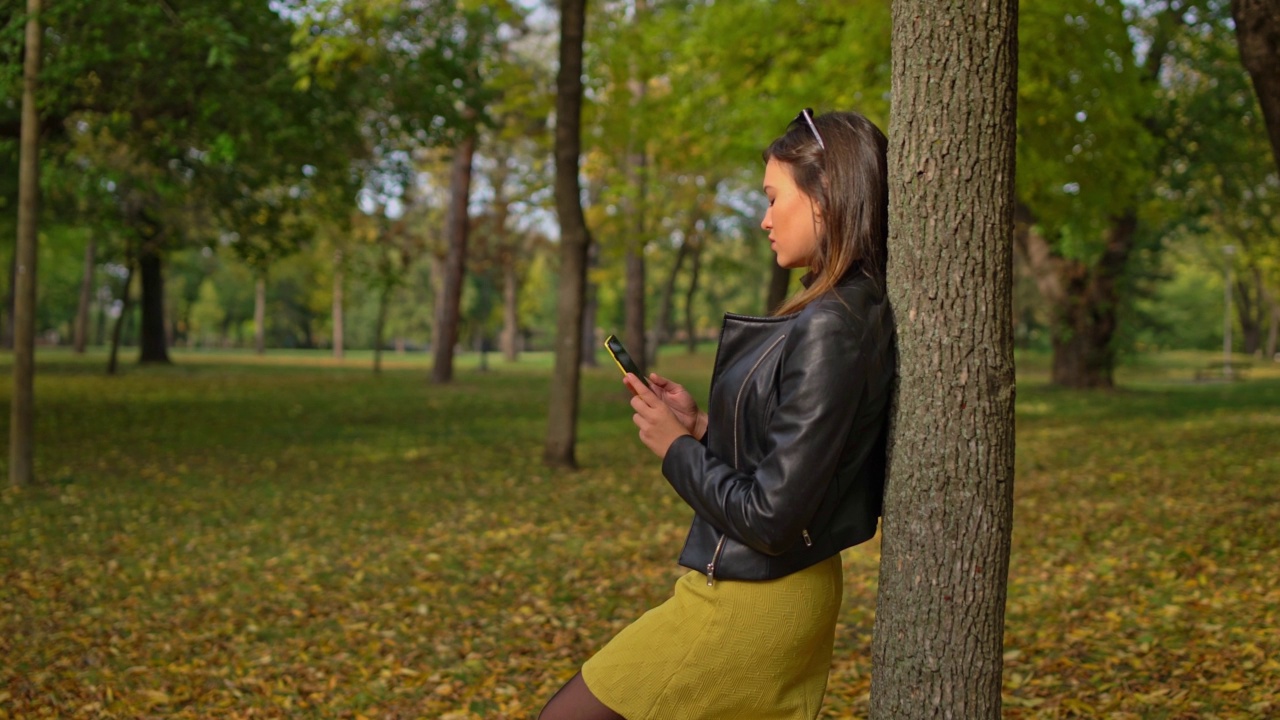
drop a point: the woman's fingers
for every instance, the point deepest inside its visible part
(642, 391)
(668, 386)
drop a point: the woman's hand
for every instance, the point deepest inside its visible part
(681, 404)
(659, 426)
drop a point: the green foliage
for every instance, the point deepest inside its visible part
(1221, 186)
(743, 70)
(1084, 152)
(290, 536)
(207, 315)
(60, 268)
(1184, 311)
(249, 128)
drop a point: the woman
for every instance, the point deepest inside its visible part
(784, 470)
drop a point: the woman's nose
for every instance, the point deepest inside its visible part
(766, 223)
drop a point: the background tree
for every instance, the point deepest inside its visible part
(574, 240)
(1221, 187)
(948, 505)
(478, 26)
(1087, 153)
(22, 405)
(1258, 34)
(215, 113)
(448, 306)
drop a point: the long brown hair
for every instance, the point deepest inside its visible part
(848, 179)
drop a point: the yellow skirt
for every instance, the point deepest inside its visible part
(737, 649)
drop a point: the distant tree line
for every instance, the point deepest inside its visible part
(368, 173)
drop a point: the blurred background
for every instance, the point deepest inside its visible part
(236, 174)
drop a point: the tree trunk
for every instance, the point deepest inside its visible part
(10, 301)
(384, 299)
(100, 321)
(339, 336)
(126, 306)
(510, 307)
(437, 284)
(637, 173)
(562, 416)
(81, 337)
(1273, 306)
(779, 282)
(590, 310)
(152, 337)
(948, 506)
(445, 329)
(1085, 325)
(662, 325)
(260, 314)
(507, 246)
(690, 328)
(22, 404)
(1258, 35)
(1251, 309)
(634, 311)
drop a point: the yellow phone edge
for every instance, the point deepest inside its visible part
(612, 356)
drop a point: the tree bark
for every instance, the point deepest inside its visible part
(948, 507)
(1273, 306)
(1083, 355)
(260, 314)
(445, 329)
(510, 307)
(507, 247)
(1258, 36)
(81, 335)
(100, 321)
(10, 301)
(1251, 309)
(22, 404)
(152, 335)
(339, 335)
(662, 324)
(562, 415)
(590, 310)
(437, 283)
(637, 177)
(634, 322)
(384, 299)
(690, 327)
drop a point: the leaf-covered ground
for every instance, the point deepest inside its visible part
(234, 539)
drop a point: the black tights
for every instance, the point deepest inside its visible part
(575, 702)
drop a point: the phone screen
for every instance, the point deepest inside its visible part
(622, 358)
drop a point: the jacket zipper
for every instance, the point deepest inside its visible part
(715, 556)
(711, 566)
(808, 541)
(737, 404)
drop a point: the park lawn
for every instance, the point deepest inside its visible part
(298, 537)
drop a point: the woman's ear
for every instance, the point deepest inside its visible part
(815, 207)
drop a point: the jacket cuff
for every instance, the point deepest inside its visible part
(685, 453)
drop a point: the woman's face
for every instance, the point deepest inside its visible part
(792, 219)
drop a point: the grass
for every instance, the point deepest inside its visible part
(293, 536)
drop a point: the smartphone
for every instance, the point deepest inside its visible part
(623, 358)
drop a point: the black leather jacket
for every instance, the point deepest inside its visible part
(791, 469)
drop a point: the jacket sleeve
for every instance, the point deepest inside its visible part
(821, 382)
